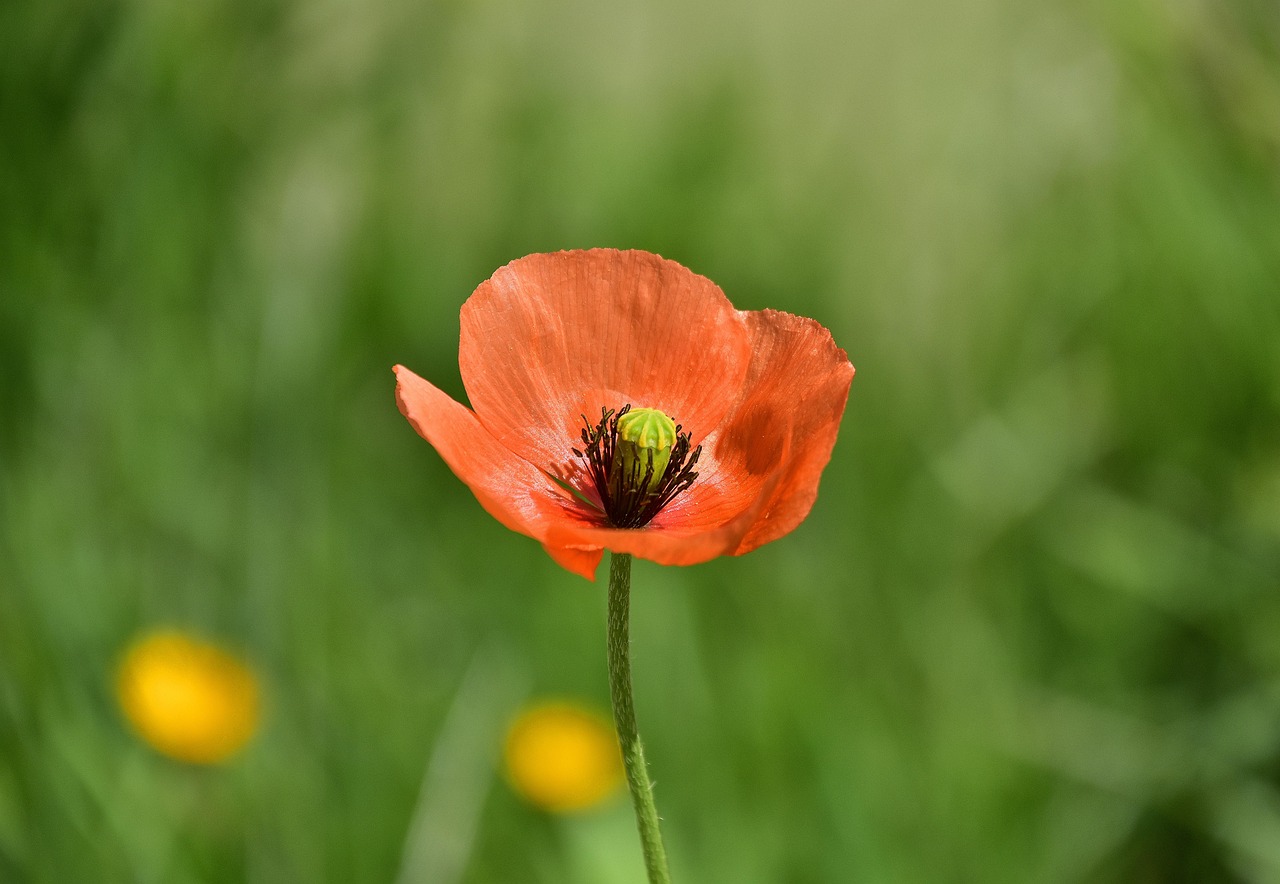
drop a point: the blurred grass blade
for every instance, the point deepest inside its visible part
(459, 772)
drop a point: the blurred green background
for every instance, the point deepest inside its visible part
(1031, 630)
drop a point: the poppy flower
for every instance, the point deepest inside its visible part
(619, 401)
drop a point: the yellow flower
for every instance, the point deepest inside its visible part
(189, 699)
(562, 757)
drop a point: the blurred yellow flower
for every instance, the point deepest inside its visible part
(562, 757)
(190, 700)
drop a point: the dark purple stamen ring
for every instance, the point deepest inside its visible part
(631, 501)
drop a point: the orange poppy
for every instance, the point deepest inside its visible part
(558, 349)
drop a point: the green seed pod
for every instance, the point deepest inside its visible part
(643, 434)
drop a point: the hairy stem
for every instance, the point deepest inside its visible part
(624, 716)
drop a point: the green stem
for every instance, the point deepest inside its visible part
(624, 716)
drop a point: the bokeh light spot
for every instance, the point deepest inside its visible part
(562, 757)
(188, 699)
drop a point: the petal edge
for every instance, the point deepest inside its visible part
(550, 337)
(510, 489)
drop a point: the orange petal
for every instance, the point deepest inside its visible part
(798, 382)
(512, 490)
(551, 337)
(678, 536)
(583, 562)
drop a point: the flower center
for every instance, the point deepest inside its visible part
(638, 461)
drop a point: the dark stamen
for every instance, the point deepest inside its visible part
(631, 501)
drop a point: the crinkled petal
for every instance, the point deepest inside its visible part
(737, 462)
(583, 562)
(512, 490)
(549, 338)
(798, 384)
(678, 542)
(769, 453)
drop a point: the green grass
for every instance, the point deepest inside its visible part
(1028, 632)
